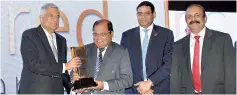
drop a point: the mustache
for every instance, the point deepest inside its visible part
(195, 21)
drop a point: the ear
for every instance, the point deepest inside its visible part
(205, 18)
(112, 34)
(41, 18)
(154, 15)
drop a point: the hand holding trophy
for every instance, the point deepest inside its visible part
(80, 75)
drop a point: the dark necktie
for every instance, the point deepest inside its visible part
(98, 62)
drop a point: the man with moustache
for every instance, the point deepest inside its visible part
(150, 49)
(203, 62)
(44, 56)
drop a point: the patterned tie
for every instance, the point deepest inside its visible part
(54, 50)
(195, 69)
(144, 50)
(98, 62)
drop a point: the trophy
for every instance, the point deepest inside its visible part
(80, 76)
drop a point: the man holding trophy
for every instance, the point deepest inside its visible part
(106, 67)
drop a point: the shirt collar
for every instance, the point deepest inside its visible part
(47, 33)
(149, 28)
(201, 33)
(104, 48)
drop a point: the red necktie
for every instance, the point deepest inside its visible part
(196, 74)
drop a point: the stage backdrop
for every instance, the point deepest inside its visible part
(17, 16)
(221, 21)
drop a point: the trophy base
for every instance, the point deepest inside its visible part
(84, 83)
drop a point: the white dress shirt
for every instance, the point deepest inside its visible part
(142, 36)
(54, 42)
(192, 45)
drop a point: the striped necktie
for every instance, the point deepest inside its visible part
(98, 62)
(54, 50)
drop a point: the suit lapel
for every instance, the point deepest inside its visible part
(186, 50)
(206, 48)
(154, 37)
(154, 34)
(107, 54)
(136, 40)
(59, 48)
(45, 41)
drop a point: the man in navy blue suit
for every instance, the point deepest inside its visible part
(150, 49)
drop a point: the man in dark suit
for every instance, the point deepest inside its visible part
(204, 60)
(108, 62)
(44, 56)
(150, 47)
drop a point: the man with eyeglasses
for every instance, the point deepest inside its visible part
(108, 62)
(150, 48)
(204, 61)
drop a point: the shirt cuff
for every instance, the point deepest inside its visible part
(151, 82)
(106, 86)
(72, 92)
(63, 68)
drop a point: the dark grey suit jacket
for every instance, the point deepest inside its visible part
(115, 68)
(218, 67)
(41, 74)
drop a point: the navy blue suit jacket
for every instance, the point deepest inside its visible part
(158, 57)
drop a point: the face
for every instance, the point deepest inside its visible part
(50, 19)
(145, 16)
(101, 36)
(195, 19)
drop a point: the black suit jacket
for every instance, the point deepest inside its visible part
(158, 57)
(218, 67)
(41, 74)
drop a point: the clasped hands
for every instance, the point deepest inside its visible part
(144, 87)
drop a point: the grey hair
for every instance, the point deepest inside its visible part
(46, 6)
(196, 5)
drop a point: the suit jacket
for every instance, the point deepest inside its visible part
(41, 74)
(218, 67)
(115, 68)
(158, 57)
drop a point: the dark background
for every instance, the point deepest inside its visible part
(210, 6)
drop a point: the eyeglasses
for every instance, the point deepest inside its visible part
(140, 14)
(101, 34)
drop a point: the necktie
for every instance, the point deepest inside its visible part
(195, 69)
(54, 50)
(98, 62)
(144, 50)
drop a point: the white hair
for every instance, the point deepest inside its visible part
(46, 6)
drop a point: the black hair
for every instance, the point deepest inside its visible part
(147, 3)
(109, 24)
